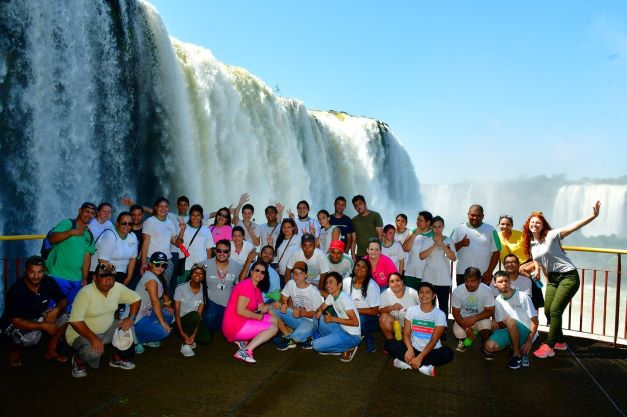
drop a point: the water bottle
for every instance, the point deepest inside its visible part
(397, 330)
(538, 281)
(183, 249)
(525, 360)
(468, 341)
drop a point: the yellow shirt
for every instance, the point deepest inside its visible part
(513, 245)
(96, 310)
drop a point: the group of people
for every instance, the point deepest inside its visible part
(323, 283)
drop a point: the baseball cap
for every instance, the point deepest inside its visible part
(158, 257)
(337, 244)
(122, 339)
(301, 266)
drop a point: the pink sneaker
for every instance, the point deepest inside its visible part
(544, 351)
(560, 346)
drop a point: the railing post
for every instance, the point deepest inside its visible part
(618, 281)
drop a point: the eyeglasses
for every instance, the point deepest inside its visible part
(226, 251)
(260, 271)
(126, 223)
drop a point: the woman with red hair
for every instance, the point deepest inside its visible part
(543, 244)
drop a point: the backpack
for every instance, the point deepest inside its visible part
(46, 246)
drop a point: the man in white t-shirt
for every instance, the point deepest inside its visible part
(517, 320)
(296, 308)
(516, 281)
(473, 306)
(315, 259)
(269, 232)
(477, 244)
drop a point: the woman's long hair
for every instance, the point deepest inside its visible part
(527, 236)
(281, 236)
(364, 285)
(264, 284)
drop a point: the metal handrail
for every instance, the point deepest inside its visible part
(23, 237)
(595, 250)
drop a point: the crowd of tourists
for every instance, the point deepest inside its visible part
(325, 283)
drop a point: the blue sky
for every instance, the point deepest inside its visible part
(474, 90)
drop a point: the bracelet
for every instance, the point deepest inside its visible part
(167, 304)
(132, 316)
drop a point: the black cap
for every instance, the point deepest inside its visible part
(158, 257)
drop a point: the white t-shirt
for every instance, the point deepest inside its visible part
(423, 325)
(326, 236)
(256, 229)
(241, 257)
(307, 298)
(518, 307)
(284, 251)
(402, 237)
(161, 233)
(316, 265)
(395, 252)
(97, 228)
(304, 225)
(344, 267)
(341, 305)
(145, 308)
(189, 301)
(373, 296)
(175, 219)
(112, 248)
(409, 299)
(414, 266)
(265, 231)
(550, 254)
(484, 240)
(198, 248)
(472, 303)
(438, 265)
(522, 283)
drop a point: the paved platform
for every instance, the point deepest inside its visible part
(587, 380)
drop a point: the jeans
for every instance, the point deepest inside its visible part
(85, 352)
(303, 327)
(333, 339)
(437, 357)
(149, 329)
(212, 316)
(561, 288)
(368, 325)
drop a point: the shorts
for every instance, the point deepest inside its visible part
(252, 328)
(501, 336)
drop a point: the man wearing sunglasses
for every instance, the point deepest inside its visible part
(35, 305)
(73, 244)
(222, 275)
(92, 322)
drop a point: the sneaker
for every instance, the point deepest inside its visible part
(400, 364)
(307, 344)
(245, 356)
(461, 347)
(525, 360)
(284, 344)
(329, 353)
(193, 345)
(122, 364)
(241, 345)
(78, 371)
(514, 363)
(139, 349)
(488, 356)
(544, 351)
(349, 354)
(428, 370)
(560, 346)
(187, 350)
(153, 344)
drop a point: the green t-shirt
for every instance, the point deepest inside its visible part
(366, 228)
(66, 258)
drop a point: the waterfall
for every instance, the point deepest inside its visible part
(98, 101)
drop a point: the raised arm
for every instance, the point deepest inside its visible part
(573, 227)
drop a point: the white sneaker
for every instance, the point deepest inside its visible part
(187, 351)
(400, 364)
(428, 370)
(245, 356)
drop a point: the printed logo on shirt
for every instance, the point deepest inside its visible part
(422, 329)
(471, 305)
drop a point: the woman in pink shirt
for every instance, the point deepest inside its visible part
(382, 266)
(247, 322)
(221, 227)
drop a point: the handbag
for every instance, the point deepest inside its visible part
(179, 268)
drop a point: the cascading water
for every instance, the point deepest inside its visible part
(99, 102)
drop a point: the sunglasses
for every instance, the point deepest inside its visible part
(106, 268)
(160, 264)
(260, 271)
(198, 266)
(126, 223)
(223, 251)
(223, 215)
(536, 213)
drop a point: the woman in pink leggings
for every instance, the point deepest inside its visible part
(247, 322)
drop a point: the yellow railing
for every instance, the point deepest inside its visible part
(594, 250)
(23, 237)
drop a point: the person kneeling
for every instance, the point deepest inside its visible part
(517, 319)
(337, 334)
(92, 323)
(424, 327)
